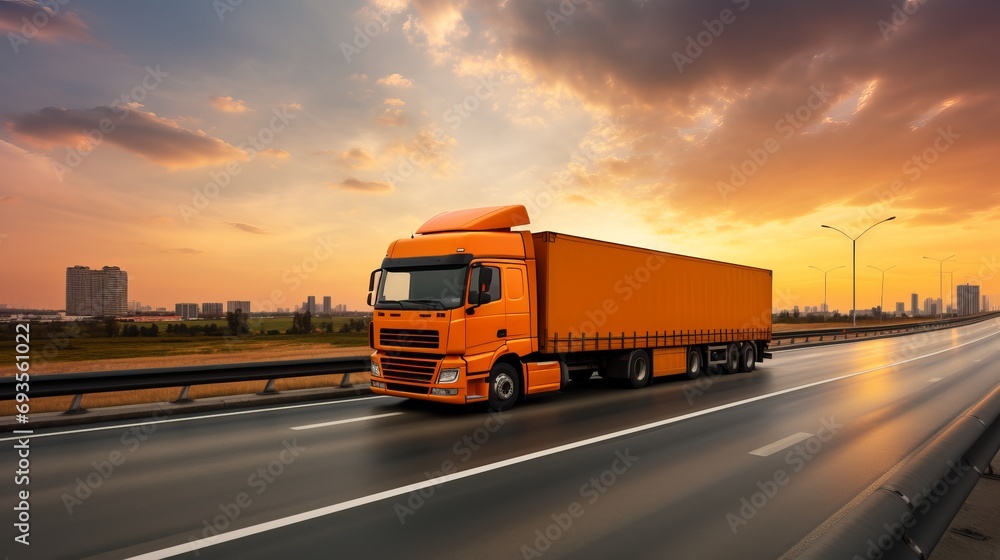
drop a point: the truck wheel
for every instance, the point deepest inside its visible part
(505, 387)
(748, 357)
(638, 369)
(694, 368)
(733, 358)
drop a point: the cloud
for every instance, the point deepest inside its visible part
(23, 20)
(248, 228)
(356, 158)
(353, 184)
(394, 80)
(7, 200)
(391, 117)
(437, 23)
(692, 118)
(228, 104)
(275, 153)
(429, 149)
(159, 140)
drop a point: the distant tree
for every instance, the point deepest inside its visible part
(307, 322)
(237, 323)
(111, 327)
(328, 327)
(345, 328)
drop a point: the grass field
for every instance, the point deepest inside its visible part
(80, 349)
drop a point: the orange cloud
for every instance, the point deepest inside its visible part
(356, 158)
(395, 80)
(228, 104)
(248, 228)
(357, 185)
(159, 140)
(275, 153)
(24, 20)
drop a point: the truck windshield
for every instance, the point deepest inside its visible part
(421, 288)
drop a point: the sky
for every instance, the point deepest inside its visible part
(270, 151)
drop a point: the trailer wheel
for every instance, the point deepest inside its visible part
(748, 357)
(638, 368)
(733, 358)
(695, 365)
(505, 387)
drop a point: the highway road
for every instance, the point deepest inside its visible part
(733, 466)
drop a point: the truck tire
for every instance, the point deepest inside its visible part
(748, 357)
(639, 369)
(505, 387)
(695, 363)
(733, 358)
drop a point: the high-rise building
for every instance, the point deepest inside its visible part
(914, 307)
(211, 309)
(327, 305)
(900, 308)
(187, 310)
(233, 305)
(96, 293)
(311, 304)
(986, 304)
(968, 299)
(929, 306)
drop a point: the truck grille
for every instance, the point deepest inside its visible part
(409, 338)
(420, 370)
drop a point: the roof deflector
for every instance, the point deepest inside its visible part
(493, 218)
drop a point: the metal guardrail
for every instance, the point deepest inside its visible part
(906, 516)
(78, 384)
(822, 335)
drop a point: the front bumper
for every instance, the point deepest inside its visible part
(415, 376)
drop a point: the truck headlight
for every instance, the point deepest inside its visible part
(375, 370)
(448, 375)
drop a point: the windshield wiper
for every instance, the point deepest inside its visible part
(425, 301)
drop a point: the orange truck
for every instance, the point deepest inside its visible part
(470, 310)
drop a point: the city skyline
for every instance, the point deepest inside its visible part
(251, 171)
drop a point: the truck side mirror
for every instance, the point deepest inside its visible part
(484, 298)
(371, 285)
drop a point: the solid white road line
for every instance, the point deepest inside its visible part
(772, 448)
(345, 421)
(237, 534)
(934, 379)
(190, 418)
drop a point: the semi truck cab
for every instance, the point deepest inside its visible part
(452, 302)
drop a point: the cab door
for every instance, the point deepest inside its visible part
(486, 324)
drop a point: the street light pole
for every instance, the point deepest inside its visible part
(881, 295)
(941, 282)
(826, 308)
(854, 265)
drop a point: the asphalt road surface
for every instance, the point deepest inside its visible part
(731, 466)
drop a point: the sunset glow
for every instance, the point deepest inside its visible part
(271, 151)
